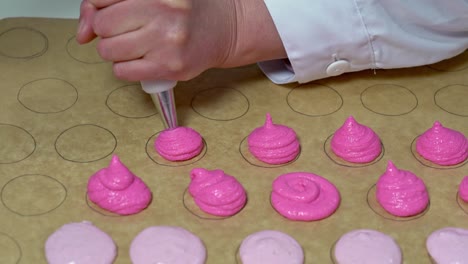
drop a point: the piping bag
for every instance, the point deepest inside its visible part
(162, 94)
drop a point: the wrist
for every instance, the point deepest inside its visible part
(255, 37)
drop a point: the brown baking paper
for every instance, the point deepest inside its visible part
(63, 115)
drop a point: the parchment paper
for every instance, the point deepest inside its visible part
(63, 115)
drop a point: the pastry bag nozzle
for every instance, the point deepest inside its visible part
(162, 93)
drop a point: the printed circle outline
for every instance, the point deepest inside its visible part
(34, 55)
(318, 115)
(14, 243)
(443, 109)
(49, 112)
(88, 161)
(104, 211)
(115, 112)
(217, 119)
(29, 134)
(400, 114)
(36, 214)
(460, 201)
(76, 59)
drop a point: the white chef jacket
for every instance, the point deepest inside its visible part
(325, 38)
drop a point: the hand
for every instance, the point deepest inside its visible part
(176, 39)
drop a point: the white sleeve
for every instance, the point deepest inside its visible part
(325, 38)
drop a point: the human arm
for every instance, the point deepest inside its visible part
(178, 39)
(320, 38)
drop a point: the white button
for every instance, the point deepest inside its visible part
(338, 67)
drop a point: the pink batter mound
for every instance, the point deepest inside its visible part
(356, 143)
(401, 193)
(304, 196)
(179, 144)
(272, 247)
(463, 189)
(80, 243)
(167, 244)
(216, 193)
(442, 146)
(448, 246)
(118, 190)
(366, 246)
(273, 144)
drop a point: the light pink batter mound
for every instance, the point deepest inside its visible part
(463, 189)
(304, 196)
(442, 146)
(365, 246)
(272, 247)
(167, 244)
(401, 193)
(356, 143)
(118, 190)
(216, 193)
(80, 243)
(273, 144)
(448, 245)
(179, 144)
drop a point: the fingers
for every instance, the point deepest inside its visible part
(123, 47)
(120, 18)
(137, 70)
(103, 3)
(151, 69)
(85, 29)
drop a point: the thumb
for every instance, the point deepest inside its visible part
(85, 32)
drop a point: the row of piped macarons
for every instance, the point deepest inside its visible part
(353, 142)
(82, 242)
(299, 196)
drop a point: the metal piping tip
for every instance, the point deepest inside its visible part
(165, 103)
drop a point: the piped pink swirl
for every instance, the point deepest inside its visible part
(216, 193)
(273, 144)
(179, 144)
(443, 146)
(463, 189)
(118, 190)
(304, 196)
(401, 193)
(356, 143)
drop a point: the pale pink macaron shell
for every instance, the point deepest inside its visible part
(355, 142)
(116, 189)
(167, 244)
(463, 189)
(179, 144)
(401, 193)
(366, 246)
(448, 245)
(272, 247)
(304, 196)
(442, 146)
(216, 193)
(80, 243)
(273, 144)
